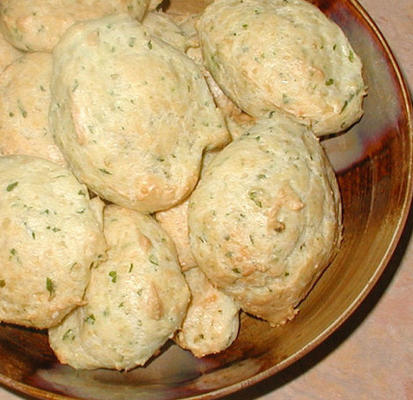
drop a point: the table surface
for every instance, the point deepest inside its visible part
(371, 356)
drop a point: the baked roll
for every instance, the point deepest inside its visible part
(131, 114)
(50, 236)
(265, 218)
(136, 300)
(269, 55)
(37, 25)
(24, 108)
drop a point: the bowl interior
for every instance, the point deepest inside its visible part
(373, 161)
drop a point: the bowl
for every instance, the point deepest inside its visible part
(373, 162)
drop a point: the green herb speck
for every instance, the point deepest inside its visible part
(105, 171)
(69, 335)
(114, 276)
(150, 45)
(351, 56)
(236, 270)
(131, 267)
(253, 196)
(329, 82)
(22, 110)
(2, 283)
(10, 187)
(131, 41)
(90, 319)
(50, 286)
(153, 259)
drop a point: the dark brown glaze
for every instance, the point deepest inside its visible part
(376, 190)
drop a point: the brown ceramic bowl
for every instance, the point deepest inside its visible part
(373, 162)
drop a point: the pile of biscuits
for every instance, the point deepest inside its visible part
(161, 172)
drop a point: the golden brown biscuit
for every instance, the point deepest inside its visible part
(37, 25)
(50, 236)
(265, 218)
(212, 321)
(270, 55)
(131, 114)
(24, 108)
(135, 300)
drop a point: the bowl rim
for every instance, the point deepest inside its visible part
(25, 389)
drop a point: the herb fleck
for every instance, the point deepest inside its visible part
(329, 82)
(2, 283)
(351, 56)
(131, 267)
(90, 319)
(131, 41)
(153, 259)
(114, 276)
(22, 110)
(50, 286)
(105, 171)
(253, 196)
(75, 85)
(150, 45)
(69, 335)
(81, 193)
(10, 187)
(236, 270)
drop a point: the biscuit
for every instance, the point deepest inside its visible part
(175, 222)
(24, 108)
(135, 300)
(50, 235)
(8, 53)
(235, 119)
(265, 218)
(163, 27)
(37, 25)
(212, 321)
(269, 55)
(131, 114)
